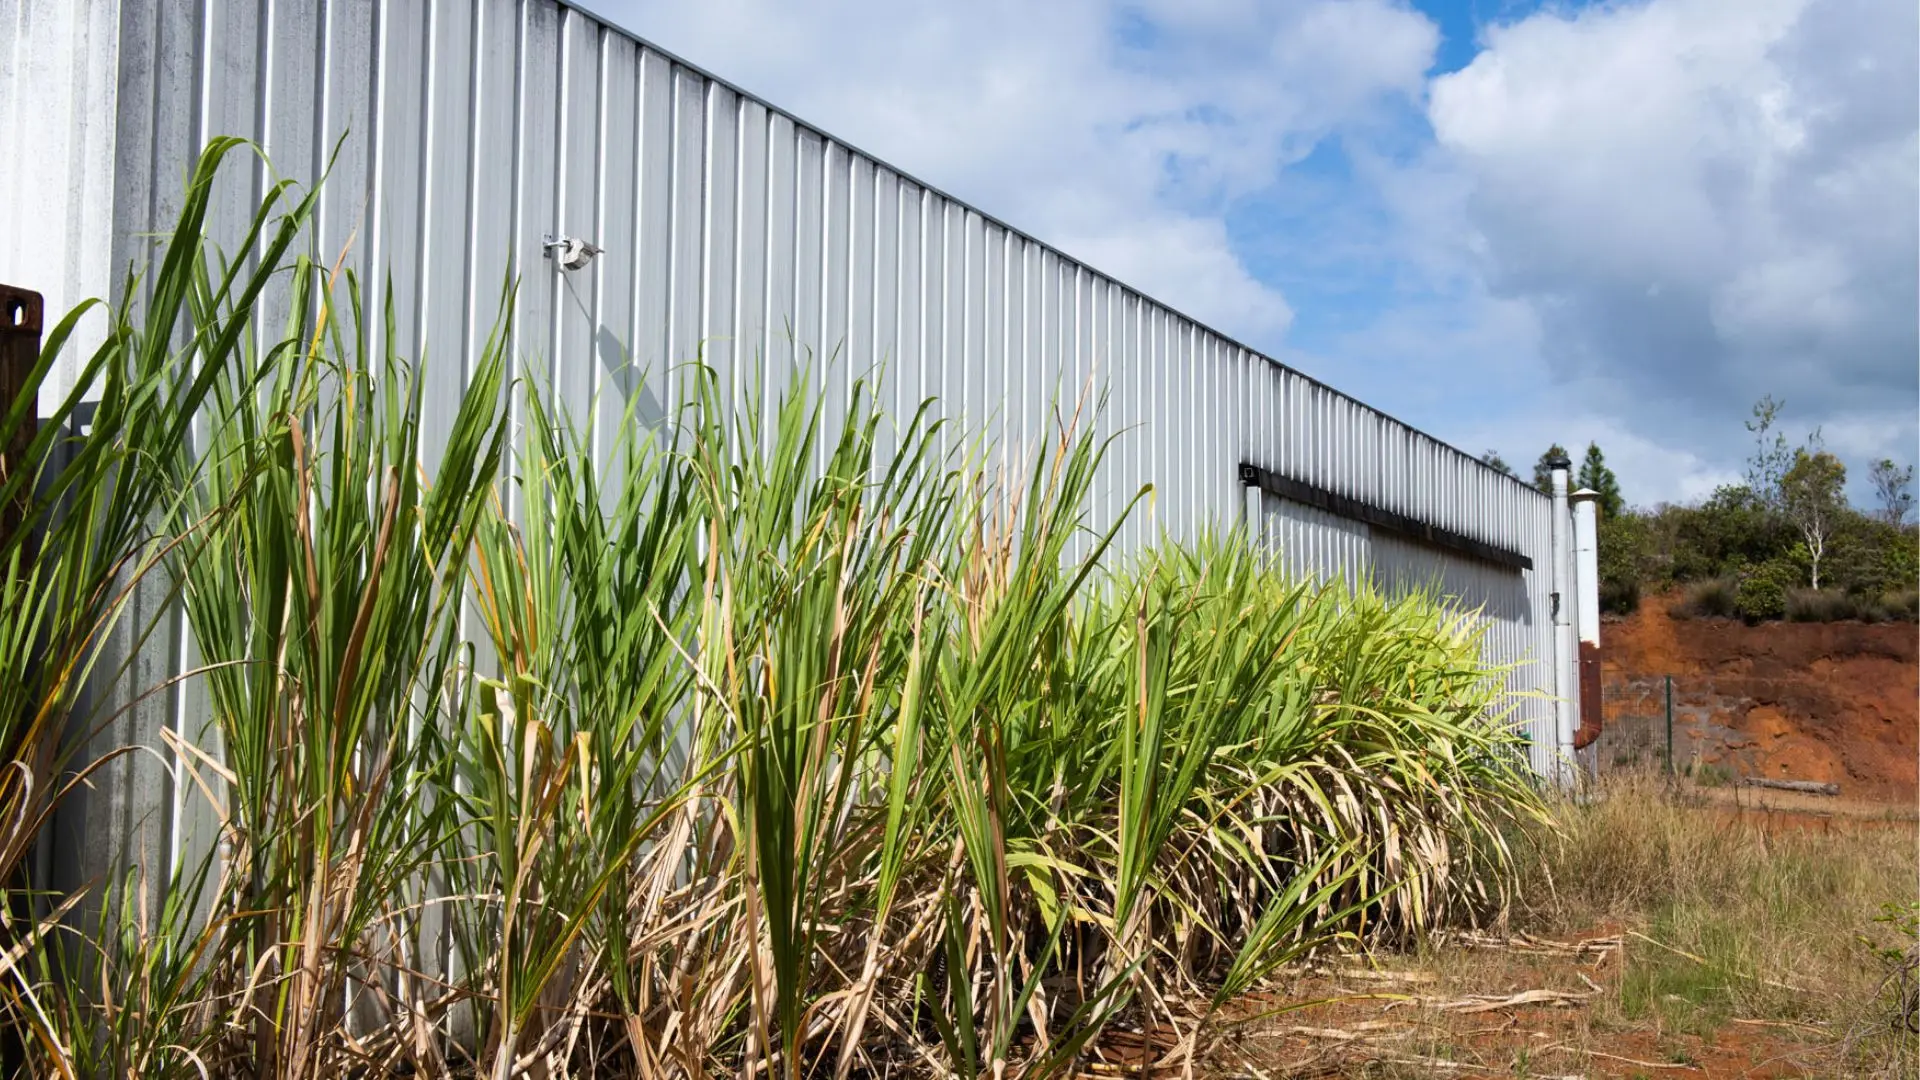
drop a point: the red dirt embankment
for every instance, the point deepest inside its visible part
(1830, 702)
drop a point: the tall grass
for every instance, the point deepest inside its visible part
(1743, 915)
(742, 747)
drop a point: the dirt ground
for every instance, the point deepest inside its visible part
(1605, 1000)
(1827, 702)
(1478, 1006)
(1521, 1007)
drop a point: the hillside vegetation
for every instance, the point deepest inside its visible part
(1784, 544)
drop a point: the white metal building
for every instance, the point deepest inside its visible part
(475, 128)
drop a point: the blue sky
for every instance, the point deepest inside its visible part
(1507, 222)
(1460, 22)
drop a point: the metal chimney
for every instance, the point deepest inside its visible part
(1565, 709)
(1586, 580)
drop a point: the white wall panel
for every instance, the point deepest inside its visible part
(1307, 542)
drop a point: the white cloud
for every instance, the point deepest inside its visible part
(1651, 470)
(1633, 218)
(1704, 201)
(1119, 132)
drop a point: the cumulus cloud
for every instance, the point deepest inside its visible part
(1704, 201)
(1621, 220)
(1119, 132)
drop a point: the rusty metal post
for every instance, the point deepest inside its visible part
(1669, 725)
(20, 319)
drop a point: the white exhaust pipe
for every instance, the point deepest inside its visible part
(1563, 666)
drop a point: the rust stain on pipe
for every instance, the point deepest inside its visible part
(1589, 696)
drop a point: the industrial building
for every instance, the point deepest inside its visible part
(466, 142)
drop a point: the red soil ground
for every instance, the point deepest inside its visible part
(1466, 1011)
(1827, 702)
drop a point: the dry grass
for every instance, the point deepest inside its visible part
(1717, 945)
(1730, 916)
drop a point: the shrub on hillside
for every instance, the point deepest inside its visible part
(1623, 562)
(1904, 605)
(1737, 530)
(1870, 557)
(1761, 597)
(1714, 598)
(1833, 605)
(1619, 596)
(1731, 529)
(1830, 605)
(1763, 589)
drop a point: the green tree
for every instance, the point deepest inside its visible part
(1893, 486)
(1595, 474)
(1771, 456)
(1811, 495)
(1867, 556)
(1732, 529)
(1624, 552)
(1542, 475)
(1493, 460)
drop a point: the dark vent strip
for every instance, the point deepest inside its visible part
(1347, 507)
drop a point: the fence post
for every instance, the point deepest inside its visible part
(1669, 725)
(20, 318)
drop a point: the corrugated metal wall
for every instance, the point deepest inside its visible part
(1514, 605)
(732, 231)
(1307, 542)
(58, 73)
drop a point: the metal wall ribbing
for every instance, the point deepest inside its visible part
(1307, 542)
(733, 232)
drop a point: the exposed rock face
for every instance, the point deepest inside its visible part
(1830, 702)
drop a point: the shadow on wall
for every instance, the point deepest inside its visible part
(628, 380)
(1499, 592)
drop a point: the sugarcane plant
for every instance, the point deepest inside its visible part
(774, 734)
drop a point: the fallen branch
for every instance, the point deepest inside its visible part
(1335, 1034)
(1362, 1030)
(1807, 787)
(1431, 1063)
(1527, 943)
(1479, 1003)
(1482, 1003)
(1624, 1060)
(1806, 1025)
(1367, 975)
